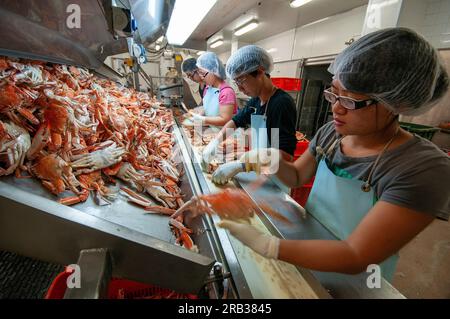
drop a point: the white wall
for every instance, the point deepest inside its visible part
(324, 37)
(329, 36)
(431, 18)
(224, 56)
(280, 45)
(412, 14)
(436, 23)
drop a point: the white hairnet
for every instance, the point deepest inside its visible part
(395, 66)
(211, 62)
(248, 59)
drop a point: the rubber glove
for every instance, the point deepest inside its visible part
(262, 160)
(197, 117)
(227, 171)
(265, 245)
(208, 153)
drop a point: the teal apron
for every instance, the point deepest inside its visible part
(211, 102)
(340, 203)
(259, 139)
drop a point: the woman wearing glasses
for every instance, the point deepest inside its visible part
(376, 185)
(219, 99)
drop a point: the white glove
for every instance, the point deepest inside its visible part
(262, 160)
(209, 151)
(227, 171)
(197, 117)
(265, 245)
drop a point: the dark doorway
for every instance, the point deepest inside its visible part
(313, 110)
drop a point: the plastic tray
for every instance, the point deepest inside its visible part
(118, 289)
(424, 131)
(287, 84)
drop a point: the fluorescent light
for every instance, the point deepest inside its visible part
(216, 44)
(200, 52)
(298, 3)
(252, 24)
(160, 39)
(271, 50)
(186, 16)
(157, 47)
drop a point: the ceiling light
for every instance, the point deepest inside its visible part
(216, 43)
(160, 39)
(298, 3)
(157, 47)
(271, 50)
(200, 52)
(252, 24)
(186, 16)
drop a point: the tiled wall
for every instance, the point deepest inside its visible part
(436, 25)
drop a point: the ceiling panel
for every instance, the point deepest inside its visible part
(275, 16)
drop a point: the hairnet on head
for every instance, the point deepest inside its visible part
(395, 66)
(248, 59)
(189, 65)
(211, 62)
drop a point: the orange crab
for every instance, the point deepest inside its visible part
(56, 175)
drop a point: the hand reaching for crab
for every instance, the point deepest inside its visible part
(191, 209)
(265, 245)
(262, 160)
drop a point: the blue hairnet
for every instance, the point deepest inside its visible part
(248, 59)
(395, 66)
(211, 62)
(189, 65)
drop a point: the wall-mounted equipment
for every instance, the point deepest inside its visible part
(122, 22)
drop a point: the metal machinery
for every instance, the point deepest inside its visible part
(119, 240)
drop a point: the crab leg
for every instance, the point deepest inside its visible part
(175, 223)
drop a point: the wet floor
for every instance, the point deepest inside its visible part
(423, 270)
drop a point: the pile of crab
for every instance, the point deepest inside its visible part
(76, 132)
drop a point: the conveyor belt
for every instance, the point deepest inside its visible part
(304, 226)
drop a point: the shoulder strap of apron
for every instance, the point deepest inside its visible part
(331, 150)
(366, 186)
(275, 89)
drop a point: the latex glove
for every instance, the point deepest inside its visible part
(226, 172)
(197, 117)
(265, 245)
(262, 160)
(209, 152)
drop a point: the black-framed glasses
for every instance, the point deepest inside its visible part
(191, 75)
(347, 102)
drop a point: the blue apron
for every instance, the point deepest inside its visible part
(340, 203)
(259, 139)
(211, 102)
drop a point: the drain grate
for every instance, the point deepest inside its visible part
(25, 278)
